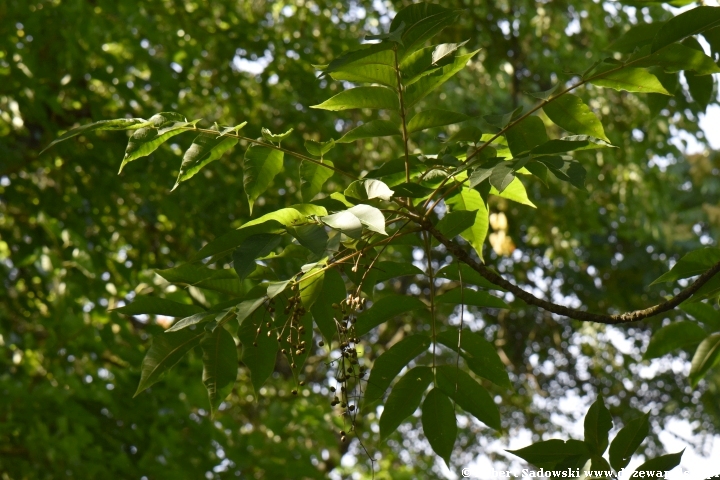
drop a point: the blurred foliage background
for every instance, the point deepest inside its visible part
(75, 239)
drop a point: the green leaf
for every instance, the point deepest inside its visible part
(455, 222)
(422, 21)
(259, 351)
(637, 36)
(701, 89)
(444, 50)
(703, 312)
(598, 423)
(367, 73)
(384, 309)
(692, 264)
(418, 90)
(372, 129)
(686, 24)
(570, 113)
(371, 217)
(245, 309)
(313, 237)
(676, 57)
(502, 120)
(434, 118)
(374, 54)
(344, 221)
(404, 399)
(710, 289)
(439, 423)
(230, 240)
(117, 124)
(468, 200)
(673, 336)
(361, 97)
(220, 365)
(252, 248)
(469, 394)
(569, 144)
(706, 357)
(468, 276)
(566, 169)
(147, 305)
(515, 191)
(466, 134)
(273, 138)
(259, 168)
(311, 286)
(663, 463)
(411, 190)
(549, 453)
(387, 270)
(367, 189)
(166, 350)
(479, 354)
(319, 148)
(470, 297)
(313, 177)
(525, 135)
(629, 79)
(276, 288)
(627, 441)
(333, 291)
(193, 274)
(194, 319)
(204, 149)
(391, 362)
(146, 140)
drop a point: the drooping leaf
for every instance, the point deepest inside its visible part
(469, 394)
(117, 124)
(384, 309)
(195, 319)
(344, 221)
(598, 423)
(570, 113)
(333, 292)
(311, 286)
(480, 355)
(526, 135)
(371, 217)
(166, 350)
(673, 336)
(693, 263)
(688, 23)
(259, 169)
(259, 351)
(566, 169)
(627, 441)
(711, 289)
(313, 177)
(455, 222)
(434, 118)
(372, 129)
(630, 79)
(515, 191)
(252, 248)
(231, 240)
(470, 297)
(483, 171)
(319, 148)
(275, 138)
(204, 149)
(418, 90)
(663, 463)
(706, 357)
(703, 312)
(146, 305)
(549, 453)
(367, 189)
(439, 424)
(311, 236)
(391, 362)
(468, 200)
(220, 365)
(361, 97)
(404, 399)
(701, 88)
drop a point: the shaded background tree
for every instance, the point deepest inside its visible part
(76, 240)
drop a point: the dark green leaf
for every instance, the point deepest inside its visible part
(526, 135)
(663, 463)
(629, 79)
(117, 124)
(259, 351)
(455, 222)
(693, 263)
(469, 394)
(598, 423)
(706, 357)
(404, 399)
(247, 308)
(434, 118)
(386, 270)
(311, 286)
(259, 169)
(384, 309)
(673, 336)
(193, 274)
(686, 24)
(418, 90)
(570, 113)
(484, 171)
(195, 319)
(701, 88)
(319, 148)
(391, 362)
(313, 237)
(411, 190)
(361, 97)
(637, 36)
(372, 129)
(469, 276)
(220, 364)
(439, 424)
(566, 169)
(470, 297)
(252, 248)
(678, 57)
(502, 120)
(376, 54)
(313, 177)
(333, 291)
(703, 312)
(143, 304)
(466, 134)
(549, 453)
(231, 240)
(627, 441)
(480, 355)
(421, 22)
(166, 350)
(204, 149)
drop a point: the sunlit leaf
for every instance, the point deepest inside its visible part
(468, 200)
(630, 79)
(361, 97)
(117, 124)
(259, 169)
(570, 113)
